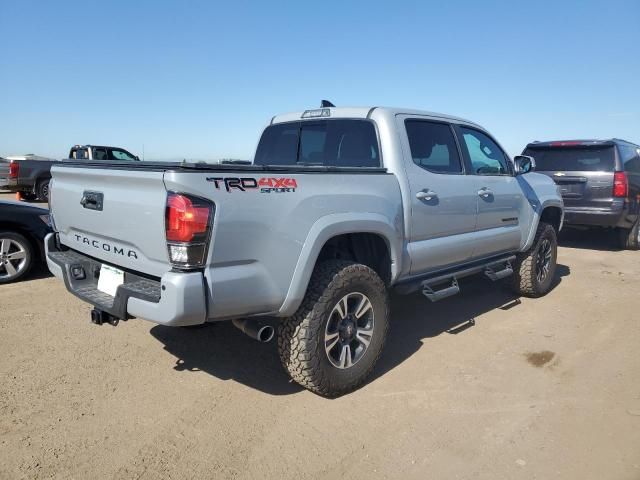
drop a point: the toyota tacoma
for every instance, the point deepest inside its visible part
(339, 206)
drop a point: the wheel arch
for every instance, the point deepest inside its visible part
(341, 236)
(36, 247)
(551, 212)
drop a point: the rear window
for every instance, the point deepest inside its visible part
(573, 159)
(338, 143)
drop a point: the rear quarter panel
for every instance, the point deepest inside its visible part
(265, 243)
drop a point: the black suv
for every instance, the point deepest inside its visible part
(599, 181)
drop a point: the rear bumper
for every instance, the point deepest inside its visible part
(596, 217)
(13, 185)
(176, 299)
(9, 184)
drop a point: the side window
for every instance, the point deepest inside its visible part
(630, 158)
(120, 155)
(99, 153)
(433, 146)
(485, 156)
(81, 154)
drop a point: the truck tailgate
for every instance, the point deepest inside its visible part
(122, 219)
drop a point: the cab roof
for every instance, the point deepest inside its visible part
(361, 112)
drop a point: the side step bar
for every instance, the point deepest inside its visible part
(435, 295)
(494, 269)
(494, 274)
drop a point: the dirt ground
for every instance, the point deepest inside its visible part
(546, 388)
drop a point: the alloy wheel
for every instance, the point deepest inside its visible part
(543, 260)
(349, 330)
(13, 258)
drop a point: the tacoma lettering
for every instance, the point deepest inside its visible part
(106, 247)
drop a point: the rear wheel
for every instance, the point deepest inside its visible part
(16, 256)
(332, 343)
(630, 237)
(42, 190)
(535, 269)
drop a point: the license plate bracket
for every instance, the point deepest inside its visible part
(110, 279)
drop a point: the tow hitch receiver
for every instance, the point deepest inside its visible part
(99, 317)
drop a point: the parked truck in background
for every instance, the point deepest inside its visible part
(30, 174)
(27, 174)
(340, 206)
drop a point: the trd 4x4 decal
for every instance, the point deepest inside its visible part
(265, 184)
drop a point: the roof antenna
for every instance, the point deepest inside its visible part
(326, 104)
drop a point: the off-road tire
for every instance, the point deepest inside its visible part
(524, 280)
(301, 337)
(42, 190)
(28, 248)
(629, 237)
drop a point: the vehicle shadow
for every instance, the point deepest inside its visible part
(222, 351)
(414, 318)
(589, 239)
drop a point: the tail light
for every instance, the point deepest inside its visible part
(14, 169)
(620, 185)
(188, 222)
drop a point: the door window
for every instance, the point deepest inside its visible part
(433, 146)
(484, 154)
(99, 153)
(121, 155)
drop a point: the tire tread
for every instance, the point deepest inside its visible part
(298, 335)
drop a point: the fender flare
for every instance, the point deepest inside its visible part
(322, 231)
(538, 215)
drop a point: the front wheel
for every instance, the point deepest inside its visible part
(332, 343)
(534, 270)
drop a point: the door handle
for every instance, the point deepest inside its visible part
(426, 195)
(484, 192)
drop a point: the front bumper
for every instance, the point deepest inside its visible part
(176, 299)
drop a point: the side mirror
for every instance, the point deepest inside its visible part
(524, 164)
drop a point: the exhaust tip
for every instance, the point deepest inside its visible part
(266, 333)
(255, 329)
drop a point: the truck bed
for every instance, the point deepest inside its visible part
(267, 220)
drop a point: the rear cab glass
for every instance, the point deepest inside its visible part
(336, 143)
(573, 159)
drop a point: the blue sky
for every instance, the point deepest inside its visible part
(199, 79)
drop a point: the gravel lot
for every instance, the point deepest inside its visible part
(546, 388)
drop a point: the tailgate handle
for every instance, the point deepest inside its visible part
(92, 200)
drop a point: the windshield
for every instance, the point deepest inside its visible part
(573, 159)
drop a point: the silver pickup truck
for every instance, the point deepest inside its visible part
(339, 206)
